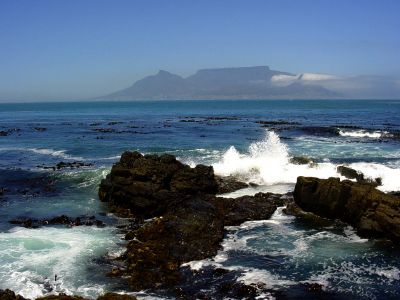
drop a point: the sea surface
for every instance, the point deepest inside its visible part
(252, 140)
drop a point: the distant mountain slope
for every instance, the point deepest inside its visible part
(225, 83)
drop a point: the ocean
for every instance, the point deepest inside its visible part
(253, 140)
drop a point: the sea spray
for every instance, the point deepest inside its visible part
(268, 162)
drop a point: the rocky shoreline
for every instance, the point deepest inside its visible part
(175, 216)
(187, 218)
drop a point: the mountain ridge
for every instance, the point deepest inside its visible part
(256, 82)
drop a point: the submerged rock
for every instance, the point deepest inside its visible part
(187, 218)
(59, 220)
(372, 212)
(64, 165)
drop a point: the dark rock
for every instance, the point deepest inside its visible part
(59, 220)
(148, 185)
(61, 296)
(247, 208)
(238, 290)
(115, 296)
(229, 184)
(314, 287)
(320, 130)
(41, 129)
(192, 231)
(64, 165)
(308, 217)
(10, 295)
(300, 160)
(350, 173)
(372, 212)
(105, 130)
(187, 219)
(9, 131)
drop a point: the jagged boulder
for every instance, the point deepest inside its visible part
(372, 212)
(149, 185)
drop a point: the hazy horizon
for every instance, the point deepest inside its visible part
(63, 50)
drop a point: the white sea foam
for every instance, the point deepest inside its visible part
(253, 276)
(268, 163)
(31, 259)
(363, 134)
(390, 176)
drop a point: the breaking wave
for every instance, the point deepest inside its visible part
(268, 162)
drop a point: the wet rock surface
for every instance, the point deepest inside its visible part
(350, 173)
(59, 220)
(187, 218)
(229, 184)
(66, 165)
(248, 208)
(372, 212)
(301, 160)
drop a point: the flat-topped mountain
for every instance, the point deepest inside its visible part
(257, 83)
(224, 83)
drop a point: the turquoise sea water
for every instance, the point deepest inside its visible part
(252, 140)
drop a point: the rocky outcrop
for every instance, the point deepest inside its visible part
(372, 212)
(148, 186)
(187, 218)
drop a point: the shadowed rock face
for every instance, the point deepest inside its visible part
(372, 212)
(187, 218)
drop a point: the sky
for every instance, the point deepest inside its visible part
(77, 49)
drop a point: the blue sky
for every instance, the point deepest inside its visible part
(54, 49)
